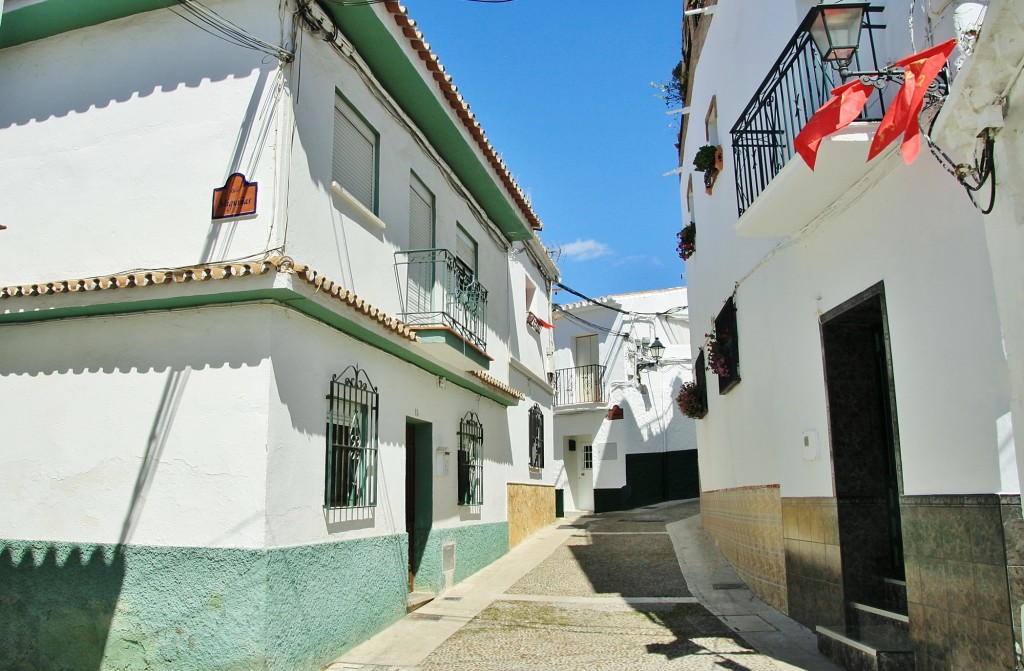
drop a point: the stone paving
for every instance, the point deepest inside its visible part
(611, 597)
(598, 593)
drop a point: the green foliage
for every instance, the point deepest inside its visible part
(705, 158)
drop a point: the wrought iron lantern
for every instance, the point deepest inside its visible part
(835, 30)
(656, 350)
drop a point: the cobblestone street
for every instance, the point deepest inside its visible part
(606, 592)
(611, 597)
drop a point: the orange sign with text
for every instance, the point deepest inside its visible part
(236, 198)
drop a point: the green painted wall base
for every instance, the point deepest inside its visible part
(476, 546)
(85, 607)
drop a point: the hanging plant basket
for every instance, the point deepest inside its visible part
(690, 401)
(687, 241)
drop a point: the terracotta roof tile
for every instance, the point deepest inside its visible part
(216, 271)
(498, 384)
(461, 109)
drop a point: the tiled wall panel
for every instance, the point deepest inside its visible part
(959, 579)
(746, 524)
(814, 576)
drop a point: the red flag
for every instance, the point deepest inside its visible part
(918, 72)
(846, 103)
(545, 324)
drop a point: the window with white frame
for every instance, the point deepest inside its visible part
(350, 479)
(588, 457)
(355, 155)
(471, 460)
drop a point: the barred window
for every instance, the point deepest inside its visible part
(536, 437)
(471, 460)
(727, 348)
(351, 464)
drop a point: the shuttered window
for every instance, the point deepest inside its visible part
(465, 248)
(421, 237)
(355, 155)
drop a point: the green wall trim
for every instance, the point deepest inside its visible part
(88, 607)
(451, 339)
(476, 546)
(52, 17)
(286, 297)
(401, 77)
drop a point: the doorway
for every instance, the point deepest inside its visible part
(419, 493)
(865, 445)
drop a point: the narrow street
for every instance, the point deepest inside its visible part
(640, 589)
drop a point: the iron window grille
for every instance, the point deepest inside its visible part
(700, 377)
(536, 437)
(350, 479)
(728, 338)
(471, 460)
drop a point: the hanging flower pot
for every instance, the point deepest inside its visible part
(690, 401)
(687, 241)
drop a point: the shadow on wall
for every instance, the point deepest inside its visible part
(57, 606)
(146, 61)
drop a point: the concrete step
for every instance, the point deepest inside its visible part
(874, 617)
(860, 648)
(896, 594)
(418, 600)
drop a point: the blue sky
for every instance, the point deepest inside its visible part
(562, 89)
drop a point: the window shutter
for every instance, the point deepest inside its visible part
(465, 248)
(354, 150)
(421, 236)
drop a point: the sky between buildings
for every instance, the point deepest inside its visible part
(562, 89)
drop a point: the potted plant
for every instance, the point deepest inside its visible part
(687, 241)
(690, 402)
(709, 161)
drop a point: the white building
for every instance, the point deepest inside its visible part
(240, 442)
(620, 441)
(859, 453)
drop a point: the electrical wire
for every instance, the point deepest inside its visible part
(670, 311)
(209, 21)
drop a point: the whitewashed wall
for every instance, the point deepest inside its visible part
(113, 137)
(913, 229)
(306, 355)
(149, 428)
(651, 421)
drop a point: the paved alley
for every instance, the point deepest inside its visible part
(640, 589)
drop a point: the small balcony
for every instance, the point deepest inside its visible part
(443, 301)
(579, 385)
(796, 86)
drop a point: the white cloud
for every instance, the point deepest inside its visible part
(585, 250)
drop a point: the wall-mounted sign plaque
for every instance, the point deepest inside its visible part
(235, 199)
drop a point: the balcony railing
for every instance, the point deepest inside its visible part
(582, 384)
(441, 290)
(797, 85)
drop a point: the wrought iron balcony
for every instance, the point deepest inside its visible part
(797, 85)
(440, 290)
(582, 384)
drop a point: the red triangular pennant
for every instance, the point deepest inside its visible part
(845, 105)
(918, 72)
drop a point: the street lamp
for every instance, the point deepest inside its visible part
(656, 350)
(835, 30)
